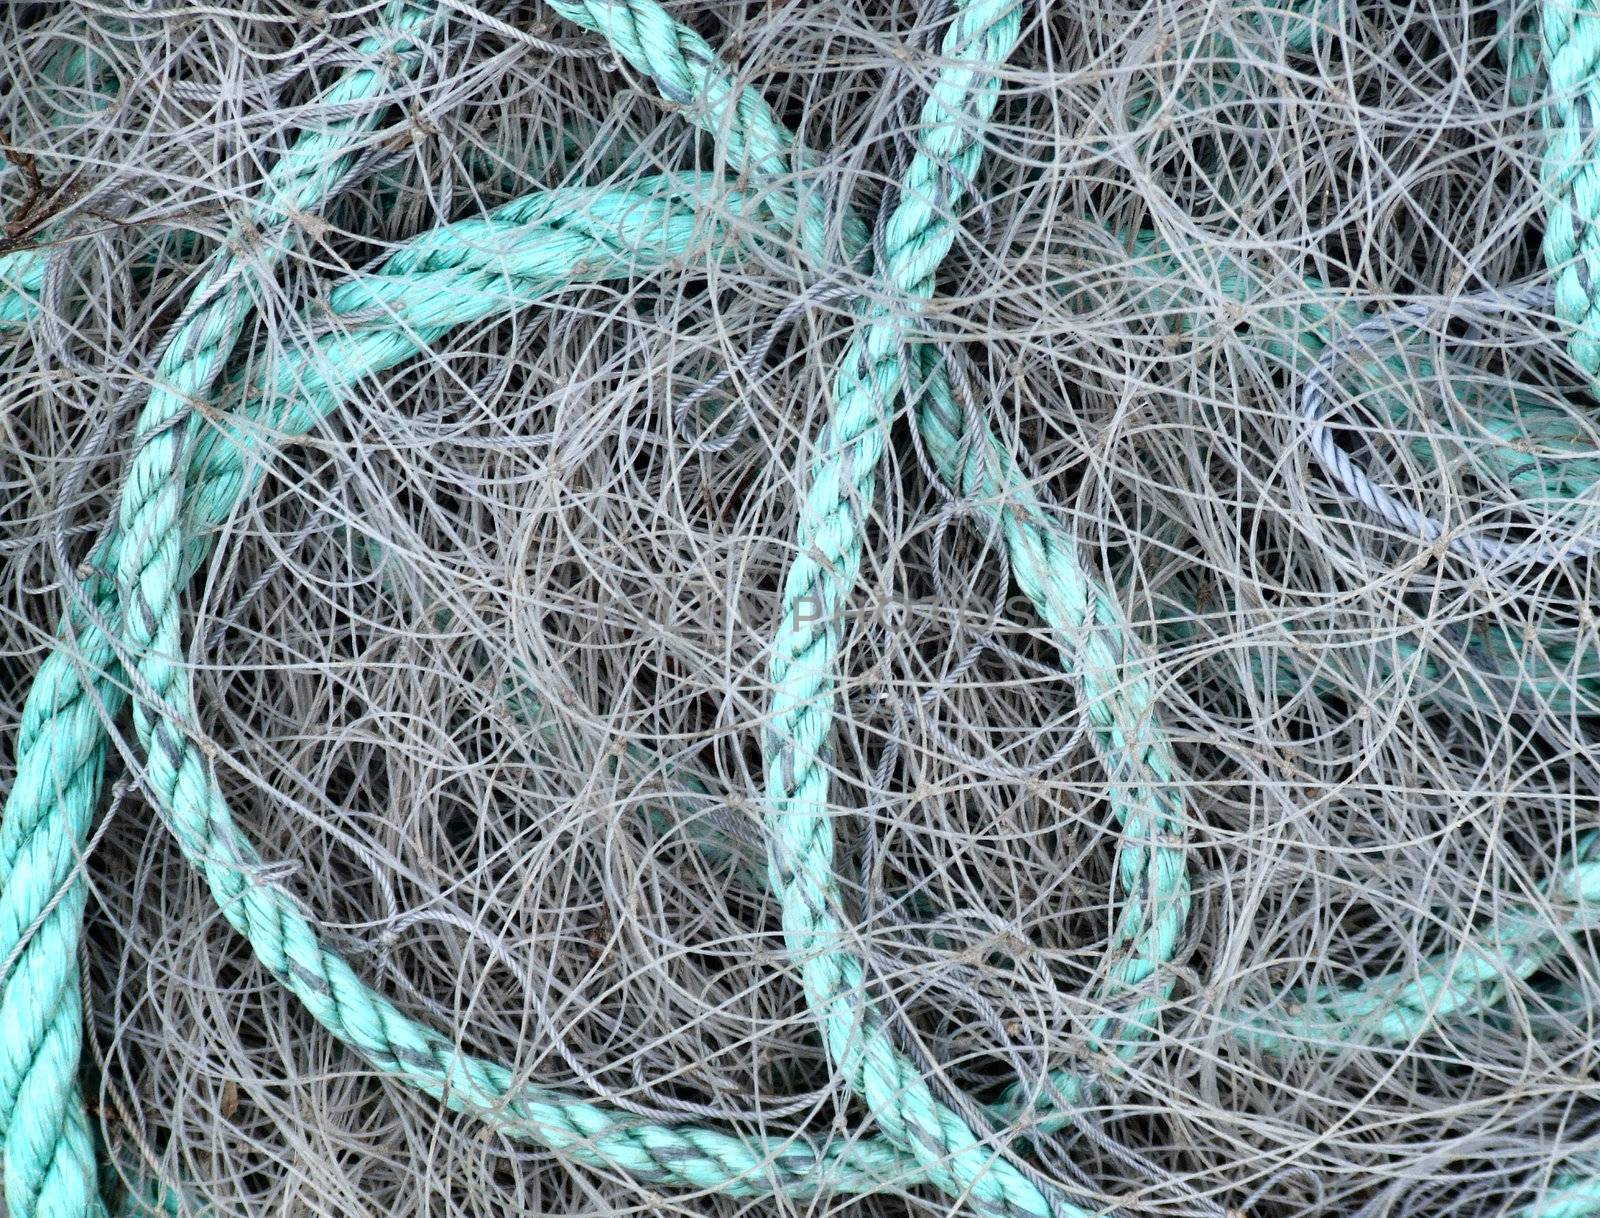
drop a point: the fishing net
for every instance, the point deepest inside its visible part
(481, 660)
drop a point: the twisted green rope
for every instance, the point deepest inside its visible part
(1071, 611)
(755, 143)
(449, 277)
(1097, 642)
(812, 231)
(687, 73)
(797, 748)
(48, 1154)
(685, 70)
(1570, 39)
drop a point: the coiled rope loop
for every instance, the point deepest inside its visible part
(199, 451)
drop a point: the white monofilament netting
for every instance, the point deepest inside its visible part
(484, 660)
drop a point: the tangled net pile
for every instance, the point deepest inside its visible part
(800, 607)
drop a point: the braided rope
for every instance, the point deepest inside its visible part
(1314, 407)
(873, 372)
(48, 1154)
(1570, 38)
(446, 278)
(1397, 1008)
(686, 71)
(1085, 614)
(1151, 919)
(1096, 642)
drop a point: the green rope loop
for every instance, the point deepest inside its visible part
(187, 475)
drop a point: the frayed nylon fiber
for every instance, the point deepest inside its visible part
(954, 606)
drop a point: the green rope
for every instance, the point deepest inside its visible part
(812, 233)
(48, 1156)
(1570, 39)
(872, 374)
(186, 476)
(1570, 1196)
(449, 277)
(754, 142)
(1097, 643)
